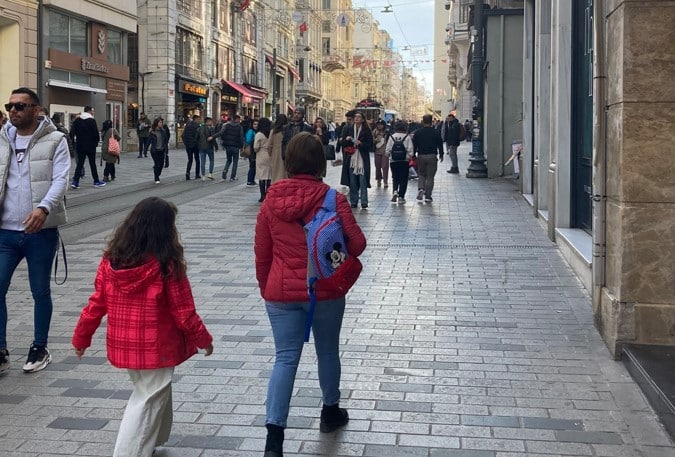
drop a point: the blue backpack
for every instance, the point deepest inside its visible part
(330, 268)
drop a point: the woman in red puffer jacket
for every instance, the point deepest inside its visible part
(281, 270)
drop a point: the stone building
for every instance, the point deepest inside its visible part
(19, 50)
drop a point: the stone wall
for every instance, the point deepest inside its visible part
(638, 300)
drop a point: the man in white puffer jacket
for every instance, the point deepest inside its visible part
(34, 167)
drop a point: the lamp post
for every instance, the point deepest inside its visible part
(477, 167)
(274, 83)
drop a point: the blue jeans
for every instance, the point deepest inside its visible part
(38, 249)
(232, 159)
(357, 185)
(288, 327)
(203, 154)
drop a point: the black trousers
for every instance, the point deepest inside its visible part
(158, 162)
(89, 154)
(399, 177)
(192, 155)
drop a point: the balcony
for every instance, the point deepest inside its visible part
(332, 62)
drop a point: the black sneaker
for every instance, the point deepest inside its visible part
(38, 359)
(332, 418)
(4, 360)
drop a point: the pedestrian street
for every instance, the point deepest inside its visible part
(467, 335)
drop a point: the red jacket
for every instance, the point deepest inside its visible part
(280, 242)
(152, 321)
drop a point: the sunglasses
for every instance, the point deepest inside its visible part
(18, 106)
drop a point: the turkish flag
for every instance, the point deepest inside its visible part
(302, 27)
(244, 4)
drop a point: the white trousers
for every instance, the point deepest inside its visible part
(149, 414)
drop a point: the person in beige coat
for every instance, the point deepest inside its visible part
(107, 132)
(277, 166)
(262, 147)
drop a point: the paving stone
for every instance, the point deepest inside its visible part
(12, 399)
(209, 442)
(73, 423)
(490, 421)
(575, 436)
(552, 424)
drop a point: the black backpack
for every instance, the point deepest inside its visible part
(398, 150)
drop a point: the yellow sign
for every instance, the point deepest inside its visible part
(192, 88)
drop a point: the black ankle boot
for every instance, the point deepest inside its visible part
(333, 417)
(274, 446)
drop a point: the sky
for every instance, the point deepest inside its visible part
(410, 24)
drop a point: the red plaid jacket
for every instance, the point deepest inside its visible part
(152, 321)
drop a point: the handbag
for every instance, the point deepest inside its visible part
(166, 160)
(246, 152)
(349, 150)
(329, 152)
(114, 146)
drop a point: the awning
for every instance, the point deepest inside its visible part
(291, 107)
(243, 90)
(294, 73)
(258, 92)
(75, 86)
(269, 60)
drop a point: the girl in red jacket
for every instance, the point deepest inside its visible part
(142, 286)
(281, 270)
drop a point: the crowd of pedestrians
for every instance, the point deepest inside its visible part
(141, 283)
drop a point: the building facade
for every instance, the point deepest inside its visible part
(19, 51)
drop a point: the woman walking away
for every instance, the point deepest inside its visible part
(281, 269)
(141, 284)
(158, 146)
(399, 150)
(250, 138)
(381, 159)
(278, 169)
(261, 146)
(108, 132)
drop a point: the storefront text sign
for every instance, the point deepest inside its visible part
(192, 88)
(229, 98)
(88, 65)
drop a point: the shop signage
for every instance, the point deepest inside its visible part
(88, 65)
(116, 90)
(229, 98)
(192, 88)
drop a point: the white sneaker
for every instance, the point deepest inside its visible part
(38, 359)
(210, 176)
(204, 178)
(157, 182)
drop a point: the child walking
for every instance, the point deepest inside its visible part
(141, 284)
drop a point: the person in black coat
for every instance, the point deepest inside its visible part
(294, 127)
(191, 142)
(360, 138)
(450, 132)
(85, 135)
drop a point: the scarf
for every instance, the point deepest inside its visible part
(356, 161)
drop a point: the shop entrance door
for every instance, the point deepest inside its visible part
(68, 113)
(582, 114)
(113, 111)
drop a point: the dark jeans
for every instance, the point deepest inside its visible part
(232, 159)
(38, 249)
(158, 162)
(251, 168)
(81, 155)
(192, 153)
(399, 177)
(143, 144)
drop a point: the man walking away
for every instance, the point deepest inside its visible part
(232, 138)
(427, 143)
(143, 132)
(34, 167)
(190, 140)
(84, 133)
(451, 134)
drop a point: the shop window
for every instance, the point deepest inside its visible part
(326, 25)
(67, 76)
(190, 7)
(225, 18)
(79, 78)
(224, 63)
(325, 46)
(325, 5)
(115, 46)
(249, 24)
(67, 34)
(59, 75)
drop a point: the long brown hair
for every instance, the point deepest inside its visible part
(148, 231)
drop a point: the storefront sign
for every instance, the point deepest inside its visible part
(229, 98)
(88, 65)
(116, 90)
(192, 88)
(98, 41)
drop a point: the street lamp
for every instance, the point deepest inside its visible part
(477, 167)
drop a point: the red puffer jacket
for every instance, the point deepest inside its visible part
(280, 242)
(152, 321)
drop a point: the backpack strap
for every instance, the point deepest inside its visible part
(330, 201)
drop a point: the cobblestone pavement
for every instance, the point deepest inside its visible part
(466, 336)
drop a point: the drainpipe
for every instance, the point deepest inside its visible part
(40, 58)
(599, 153)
